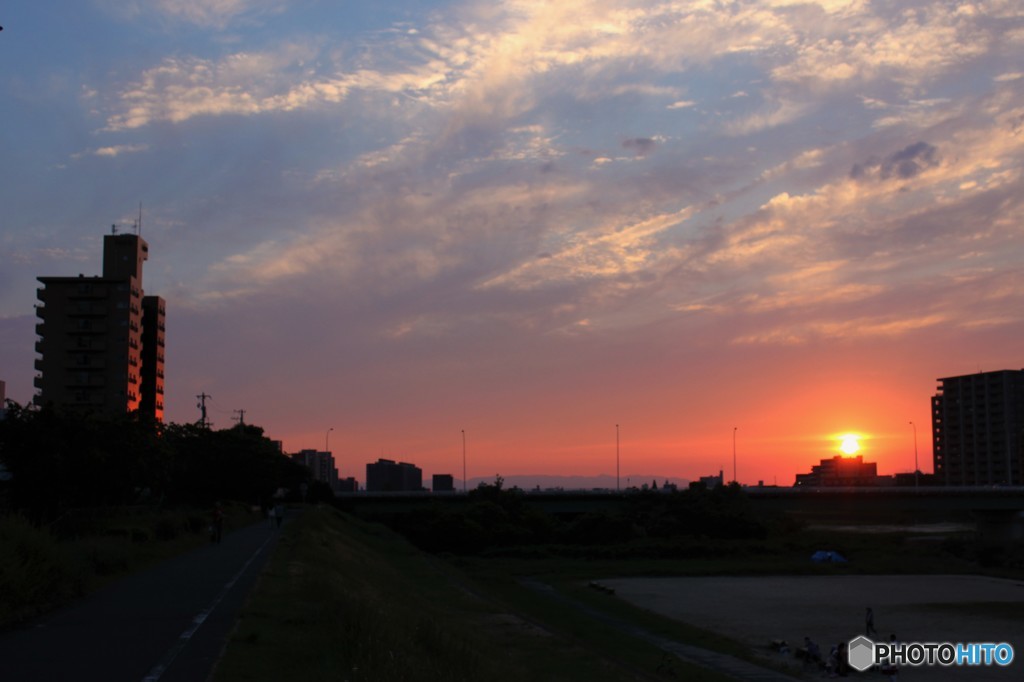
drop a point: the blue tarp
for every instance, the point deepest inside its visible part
(828, 556)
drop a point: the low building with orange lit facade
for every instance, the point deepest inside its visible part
(842, 472)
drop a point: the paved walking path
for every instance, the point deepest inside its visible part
(165, 624)
(724, 664)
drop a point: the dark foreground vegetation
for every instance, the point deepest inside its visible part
(697, 530)
(62, 461)
(349, 598)
(88, 498)
(547, 569)
(496, 521)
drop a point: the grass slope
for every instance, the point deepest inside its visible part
(346, 600)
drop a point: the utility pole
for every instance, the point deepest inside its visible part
(202, 397)
(463, 461)
(241, 417)
(916, 467)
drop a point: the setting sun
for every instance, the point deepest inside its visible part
(850, 444)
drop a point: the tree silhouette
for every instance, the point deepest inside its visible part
(62, 460)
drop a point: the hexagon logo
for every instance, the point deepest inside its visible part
(861, 653)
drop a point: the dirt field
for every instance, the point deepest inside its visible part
(831, 609)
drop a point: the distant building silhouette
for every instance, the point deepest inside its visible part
(911, 479)
(443, 483)
(348, 485)
(386, 475)
(321, 465)
(978, 429)
(709, 482)
(101, 340)
(842, 471)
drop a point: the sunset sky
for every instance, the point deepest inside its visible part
(533, 220)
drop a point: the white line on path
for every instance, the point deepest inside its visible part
(160, 668)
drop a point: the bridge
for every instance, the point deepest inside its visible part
(941, 499)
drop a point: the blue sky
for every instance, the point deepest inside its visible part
(534, 220)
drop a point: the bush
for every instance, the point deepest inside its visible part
(495, 520)
(598, 528)
(34, 571)
(104, 556)
(168, 527)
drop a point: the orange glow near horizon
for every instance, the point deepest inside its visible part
(776, 439)
(778, 436)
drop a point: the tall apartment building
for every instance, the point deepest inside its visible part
(978, 429)
(101, 340)
(443, 483)
(321, 465)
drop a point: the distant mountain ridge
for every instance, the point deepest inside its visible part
(602, 481)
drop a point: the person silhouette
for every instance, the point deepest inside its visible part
(217, 527)
(869, 623)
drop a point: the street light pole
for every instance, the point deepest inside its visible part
(916, 468)
(464, 461)
(327, 440)
(734, 478)
(617, 489)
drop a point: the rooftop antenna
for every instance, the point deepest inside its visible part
(138, 225)
(113, 229)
